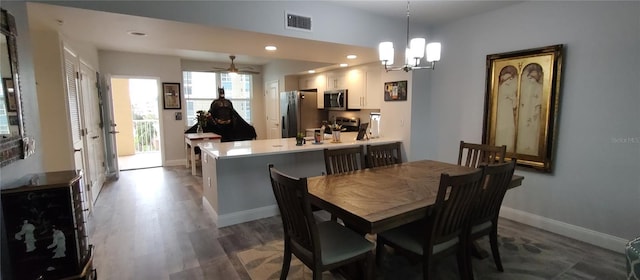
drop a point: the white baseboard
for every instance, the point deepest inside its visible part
(599, 239)
(247, 215)
(175, 162)
(210, 210)
(240, 216)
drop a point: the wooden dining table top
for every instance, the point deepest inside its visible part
(377, 199)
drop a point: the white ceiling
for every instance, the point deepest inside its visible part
(108, 31)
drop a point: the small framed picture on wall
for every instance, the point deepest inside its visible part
(171, 96)
(395, 91)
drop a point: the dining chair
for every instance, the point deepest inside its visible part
(320, 246)
(484, 217)
(475, 154)
(444, 229)
(383, 154)
(343, 160)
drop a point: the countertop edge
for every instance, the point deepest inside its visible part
(266, 147)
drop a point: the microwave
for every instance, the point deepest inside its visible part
(335, 99)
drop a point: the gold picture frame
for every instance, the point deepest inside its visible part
(521, 104)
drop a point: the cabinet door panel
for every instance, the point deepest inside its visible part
(355, 84)
(374, 92)
(317, 82)
(46, 227)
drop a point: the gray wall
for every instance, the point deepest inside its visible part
(33, 164)
(596, 180)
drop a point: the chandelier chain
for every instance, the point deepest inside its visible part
(407, 23)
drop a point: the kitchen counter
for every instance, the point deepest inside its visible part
(285, 145)
(235, 180)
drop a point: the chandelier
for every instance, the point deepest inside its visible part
(414, 52)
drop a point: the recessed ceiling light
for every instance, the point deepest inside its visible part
(311, 71)
(352, 56)
(137, 33)
(343, 65)
(270, 48)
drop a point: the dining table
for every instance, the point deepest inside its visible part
(377, 199)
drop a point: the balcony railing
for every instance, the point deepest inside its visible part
(145, 136)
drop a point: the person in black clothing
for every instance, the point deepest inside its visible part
(221, 109)
(226, 122)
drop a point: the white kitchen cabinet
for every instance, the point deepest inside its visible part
(374, 89)
(318, 82)
(355, 84)
(336, 80)
(364, 85)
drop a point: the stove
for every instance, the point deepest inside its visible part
(350, 124)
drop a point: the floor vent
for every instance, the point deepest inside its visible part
(293, 21)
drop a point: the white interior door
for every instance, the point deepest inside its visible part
(110, 128)
(72, 73)
(273, 110)
(93, 142)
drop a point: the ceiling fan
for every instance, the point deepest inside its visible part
(233, 69)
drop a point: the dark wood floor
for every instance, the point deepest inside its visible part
(150, 224)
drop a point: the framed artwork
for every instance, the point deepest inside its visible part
(395, 91)
(10, 94)
(521, 104)
(362, 131)
(171, 95)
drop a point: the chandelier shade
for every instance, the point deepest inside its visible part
(416, 49)
(385, 51)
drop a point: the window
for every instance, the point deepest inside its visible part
(200, 89)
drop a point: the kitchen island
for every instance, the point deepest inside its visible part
(235, 175)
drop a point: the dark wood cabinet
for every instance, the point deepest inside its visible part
(45, 225)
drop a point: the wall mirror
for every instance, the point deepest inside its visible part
(12, 134)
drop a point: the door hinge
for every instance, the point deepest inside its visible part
(77, 75)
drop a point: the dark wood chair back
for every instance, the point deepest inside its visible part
(472, 155)
(451, 211)
(383, 154)
(496, 182)
(295, 209)
(344, 160)
(308, 240)
(484, 219)
(443, 231)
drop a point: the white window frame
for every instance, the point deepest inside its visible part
(220, 79)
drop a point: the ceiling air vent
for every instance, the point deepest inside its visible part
(293, 21)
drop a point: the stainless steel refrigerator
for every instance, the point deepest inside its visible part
(299, 111)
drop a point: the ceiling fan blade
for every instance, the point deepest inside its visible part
(248, 72)
(233, 69)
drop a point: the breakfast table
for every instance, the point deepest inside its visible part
(377, 199)
(191, 140)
